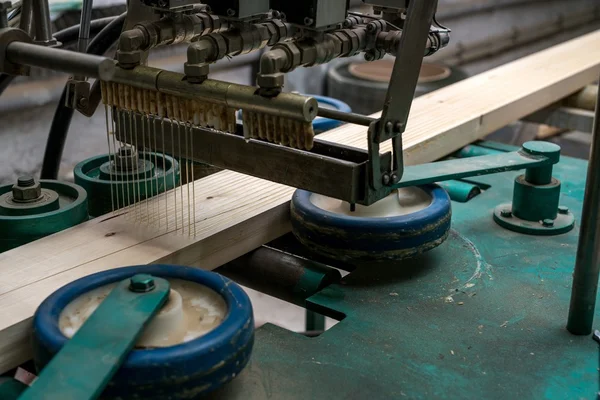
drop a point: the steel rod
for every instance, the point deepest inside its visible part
(26, 22)
(587, 263)
(280, 274)
(60, 60)
(351, 118)
(43, 24)
(84, 30)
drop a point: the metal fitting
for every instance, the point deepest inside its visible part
(142, 283)
(26, 190)
(126, 159)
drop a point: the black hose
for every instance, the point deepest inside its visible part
(71, 33)
(63, 114)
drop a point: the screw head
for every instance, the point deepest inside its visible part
(548, 223)
(386, 179)
(389, 126)
(394, 178)
(141, 283)
(563, 210)
(308, 21)
(506, 213)
(369, 56)
(230, 12)
(398, 127)
(370, 27)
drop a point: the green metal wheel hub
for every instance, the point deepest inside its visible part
(535, 207)
(125, 178)
(39, 209)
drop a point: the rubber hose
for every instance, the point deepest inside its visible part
(71, 33)
(63, 114)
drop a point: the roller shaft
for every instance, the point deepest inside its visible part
(279, 274)
(60, 60)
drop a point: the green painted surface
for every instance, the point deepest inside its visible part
(481, 316)
(17, 230)
(87, 362)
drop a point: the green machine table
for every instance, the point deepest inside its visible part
(481, 316)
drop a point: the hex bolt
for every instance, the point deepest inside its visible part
(25, 181)
(394, 178)
(563, 210)
(26, 190)
(398, 127)
(141, 283)
(371, 27)
(506, 213)
(548, 223)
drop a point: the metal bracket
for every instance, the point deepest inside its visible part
(401, 91)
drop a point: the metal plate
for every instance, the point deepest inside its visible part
(481, 316)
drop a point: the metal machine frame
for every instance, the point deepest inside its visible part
(350, 174)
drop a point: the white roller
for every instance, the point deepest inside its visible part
(191, 311)
(401, 202)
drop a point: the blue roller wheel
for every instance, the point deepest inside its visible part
(197, 366)
(392, 229)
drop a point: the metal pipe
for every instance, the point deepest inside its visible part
(287, 105)
(26, 22)
(587, 263)
(43, 24)
(280, 274)
(60, 60)
(84, 25)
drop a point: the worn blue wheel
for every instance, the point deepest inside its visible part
(406, 223)
(181, 371)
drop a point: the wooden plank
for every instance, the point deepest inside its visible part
(237, 213)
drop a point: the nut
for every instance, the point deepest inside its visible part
(548, 223)
(196, 73)
(126, 158)
(26, 190)
(506, 213)
(270, 80)
(141, 283)
(129, 58)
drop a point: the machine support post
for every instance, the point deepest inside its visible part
(43, 25)
(587, 263)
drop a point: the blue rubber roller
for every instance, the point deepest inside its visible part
(408, 222)
(200, 340)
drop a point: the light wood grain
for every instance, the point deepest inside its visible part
(237, 213)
